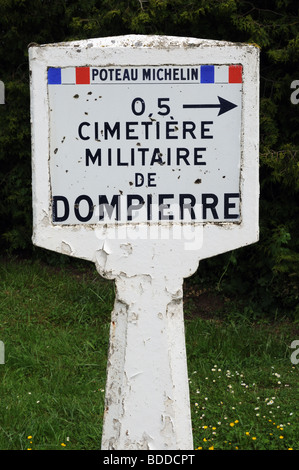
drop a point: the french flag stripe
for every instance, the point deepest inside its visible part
(54, 76)
(68, 76)
(235, 74)
(221, 73)
(207, 74)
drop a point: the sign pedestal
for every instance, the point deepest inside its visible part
(147, 395)
(147, 390)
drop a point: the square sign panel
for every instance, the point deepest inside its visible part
(145, 144)
(144, 130)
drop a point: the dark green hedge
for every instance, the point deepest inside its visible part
(265, 273)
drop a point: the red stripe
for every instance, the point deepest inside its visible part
(235, 74)
(82, 76)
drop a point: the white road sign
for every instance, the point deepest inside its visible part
(144, 131)
(145, 144)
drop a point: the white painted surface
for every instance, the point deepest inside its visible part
(147, 395)
(145, 51)
(147, 389)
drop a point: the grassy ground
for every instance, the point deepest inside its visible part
(54, 323)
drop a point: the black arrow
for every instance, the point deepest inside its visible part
(223, 105)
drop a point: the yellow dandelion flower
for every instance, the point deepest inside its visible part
(280, 437)
(29, 437)
(247, 433)
(232, 424)
(63, 444)
(211, 448)
(236, 421)
(254, 438)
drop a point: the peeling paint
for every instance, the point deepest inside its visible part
(126, 248)
(143, 365)
(66, 249)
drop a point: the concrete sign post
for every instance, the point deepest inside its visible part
(145, 160)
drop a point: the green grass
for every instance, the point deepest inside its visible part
(55, 326)
(54, 323)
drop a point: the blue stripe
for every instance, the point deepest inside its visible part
(207, 74)
(54, 76)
